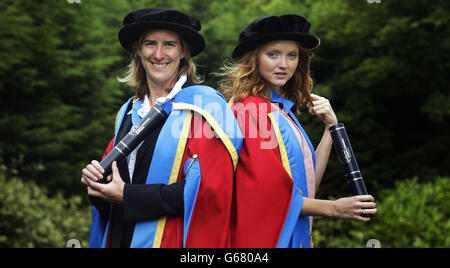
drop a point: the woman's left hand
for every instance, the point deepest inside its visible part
(321, 108)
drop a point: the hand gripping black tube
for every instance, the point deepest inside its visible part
(136, 135)
(347, 158)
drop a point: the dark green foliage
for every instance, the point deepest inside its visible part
(384, 68)
(28, 218)
(410, 215)
(58, 88)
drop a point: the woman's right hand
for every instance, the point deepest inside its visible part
(355, 206)
(92, 171)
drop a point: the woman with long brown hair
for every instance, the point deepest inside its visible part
(279, 171)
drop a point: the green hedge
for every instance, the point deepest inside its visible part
(29, 218)
(412, 214)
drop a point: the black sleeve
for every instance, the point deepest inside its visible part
(101, 205)
(153, 201)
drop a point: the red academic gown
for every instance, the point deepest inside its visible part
(211, 219)
(263, 187)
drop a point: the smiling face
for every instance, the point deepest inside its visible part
(277, 62)
(161, 52)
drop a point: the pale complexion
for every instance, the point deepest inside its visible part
(161, 53)
(277, 62)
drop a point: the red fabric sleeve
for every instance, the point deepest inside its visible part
(211, 217)
(109, 148)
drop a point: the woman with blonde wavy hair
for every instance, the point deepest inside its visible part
(279, 171)
(165, 193)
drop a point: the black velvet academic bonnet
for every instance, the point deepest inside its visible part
(137, 22)
(271, 28)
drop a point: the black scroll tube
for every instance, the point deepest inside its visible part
(348, 161)
(347, 158)
(136, 135)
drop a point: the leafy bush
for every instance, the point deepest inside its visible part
(29, 218)
(412, 214)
